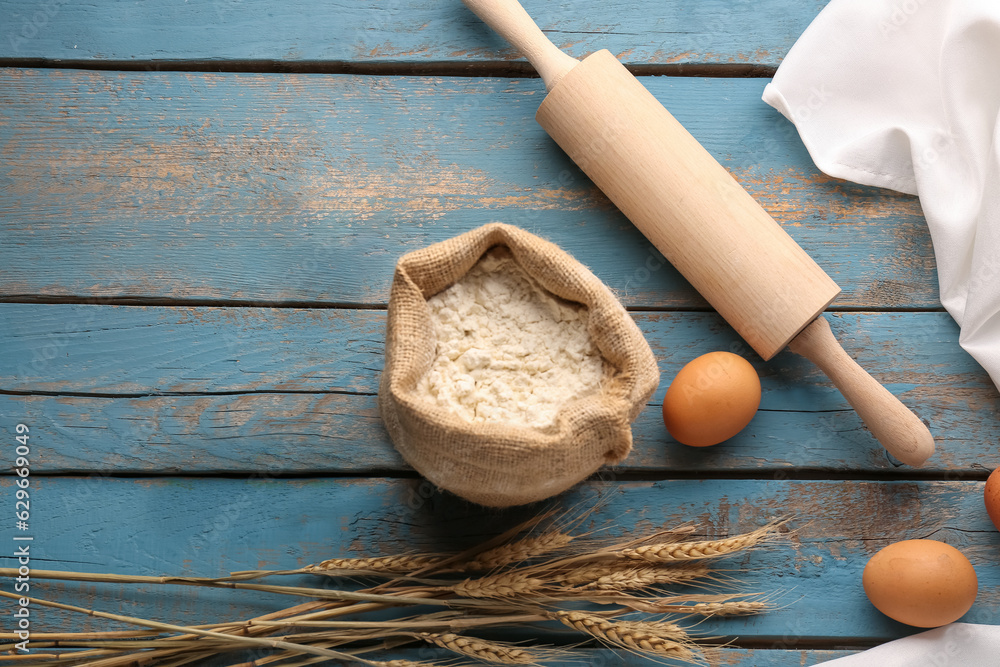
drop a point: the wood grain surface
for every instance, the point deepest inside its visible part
(182, 526)
(232, 389)
(273, 194)
(395, 32)
(201, 206)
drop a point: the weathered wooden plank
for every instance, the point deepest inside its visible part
(148, 389)
(64, 349)
(307, 188)
(209, 527)
(411, 31)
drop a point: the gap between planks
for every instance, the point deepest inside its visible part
(610, 476)
(497, 68)
(81, 300)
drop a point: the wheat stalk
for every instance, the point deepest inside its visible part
(503, 585)
(401, 564)
(703, 605)
(48, 658)
(417, 597)
(520, 588)
(410, 564)
(585, 574)
(492, 652)
(664, 552)
(197, 653)
(422, 622)
(519, 551)
(734, 608)
(170, 627)
(663, 639)
(371, 663)
(613, 577)
(301, 662)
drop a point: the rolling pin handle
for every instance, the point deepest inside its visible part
(510, 21)
(898, 429)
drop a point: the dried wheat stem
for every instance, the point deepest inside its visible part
(519, 551)
(700, 605)
(310, 661)
(492, 652)
(115, 645)
(646, 576)
(402, 564)
(734, 608)
(681, 551)
(170, 627)
(615, 577)
(57, 636)
(352, 596)
(283, 657)
(661, 629)
(354, 659)
(606, 574)
(585, 574)
(663, 639)
(412, 564)
(49, 658)
(428, 622)
(504, 585)
(95, 659)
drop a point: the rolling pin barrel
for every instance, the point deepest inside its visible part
(686, 203)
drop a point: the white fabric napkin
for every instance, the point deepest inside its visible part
(905, 94)
(962, 644)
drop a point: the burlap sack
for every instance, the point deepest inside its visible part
(500, 465)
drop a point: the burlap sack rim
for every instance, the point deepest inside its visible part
(594, 294)
(500, 446)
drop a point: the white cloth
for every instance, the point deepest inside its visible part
(962, 644)
(905, 94)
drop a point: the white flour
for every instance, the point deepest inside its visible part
(507, 349)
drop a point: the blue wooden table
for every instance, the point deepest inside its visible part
(201, 205)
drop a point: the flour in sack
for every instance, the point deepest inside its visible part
(508, 350)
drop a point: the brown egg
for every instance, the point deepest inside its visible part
(991, 496)
(924, 583)
(712, 399)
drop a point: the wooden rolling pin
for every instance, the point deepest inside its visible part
(687, 204)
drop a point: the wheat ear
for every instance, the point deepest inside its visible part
(492, 652)
(665, 639)
(681, 551)
(702, 605)
(402, 564)
(518, 551)
(503, 585)
(617, 578)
